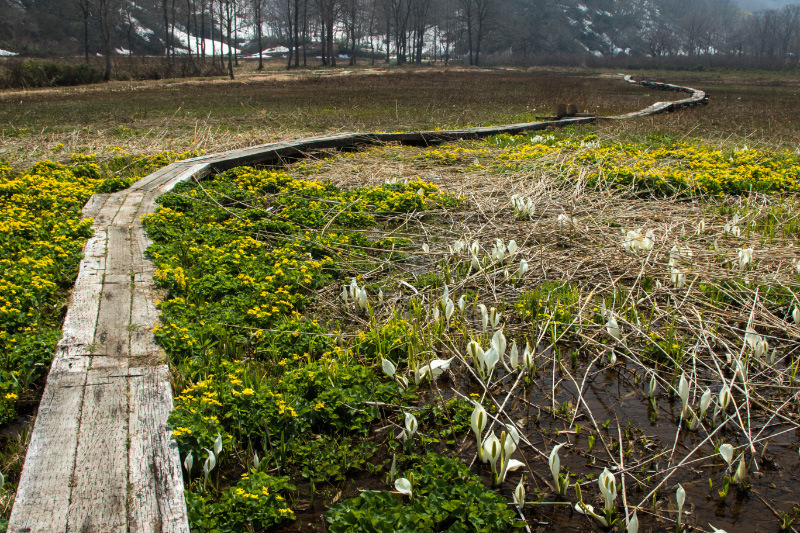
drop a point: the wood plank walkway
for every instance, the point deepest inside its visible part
(101, 456)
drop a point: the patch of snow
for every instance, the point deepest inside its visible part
(583, 8)
(193, 46)
(122, 51)
(572, 21)
(6, 53)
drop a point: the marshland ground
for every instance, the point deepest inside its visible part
(709, 301)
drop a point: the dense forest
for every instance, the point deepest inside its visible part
(474, 32)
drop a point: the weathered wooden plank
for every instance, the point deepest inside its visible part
(119, 257)
(109, 210)
(157, 503)
(98, 500)
(81, 320)
(111, 335)
(93, 206)
(42, 500)
(127, 212)
(144, 317)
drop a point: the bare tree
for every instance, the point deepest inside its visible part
(86, 11)
(108, 11)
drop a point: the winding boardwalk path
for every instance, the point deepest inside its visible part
(101, 458)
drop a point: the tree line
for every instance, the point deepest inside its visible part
(407, 31)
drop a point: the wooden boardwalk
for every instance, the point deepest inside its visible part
(101, 456)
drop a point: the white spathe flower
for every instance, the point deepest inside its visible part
(678, 278)
(361, 299)
(566, 221)
(462, 303)
(484, 316)
(426, 248)
(380, 297)
(218, 445)
(519, 493)
(494, 317)
(745, 257)
(633, 524)
(211, 462)
(741, 472)
(437, 367)
(608, 488)
(475, 351)
(701, 227)
(491, 358)
(478, 420)
(586, 509)
(388, 367)
(683, 392)
(724, 396)
(716, 530)
(449, 309)
(523, 267)
(475, 263)
(796, 315)
(528, 358)
(188, 462)
(411, 424)
(726, 451)
(680, 496)
(705, 402)
(499, 343)
(345, 294)
(613, 328)
(554, 462)
(474, 247)
(512, 247)
(513, 356)
(491, 450)
(403, 486)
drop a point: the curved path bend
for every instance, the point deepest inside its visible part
(101, 458)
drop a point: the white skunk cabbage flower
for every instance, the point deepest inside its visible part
(796, 315)
(494, 317)
(726, 451)
(745, 257)
(608, 488)
(345, 294)
(411, 425)
(211, 462)
(218, 445)
(476, 352)
(724, 397)
(512, 247)
(586, 509)
(403, 486)
(705, 402)
(513, 356)
(449, 309)
(478, 420)
(683, 392)
(475, 263)
(491, 450)
(613, 328)
(633, 524)
(554, 462)
(519, 493)
(741, 472)
(527, 358)
(388, 367)
(484, 316)
(678, 278)
(523, 267)
(499, 343)
(701, 227)
(462, 303)
(426, 248)
(188, 462)
(680, 496)
(361, 299)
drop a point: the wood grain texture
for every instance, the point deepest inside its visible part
(98, 500)
(154, 459)
(42, 500)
